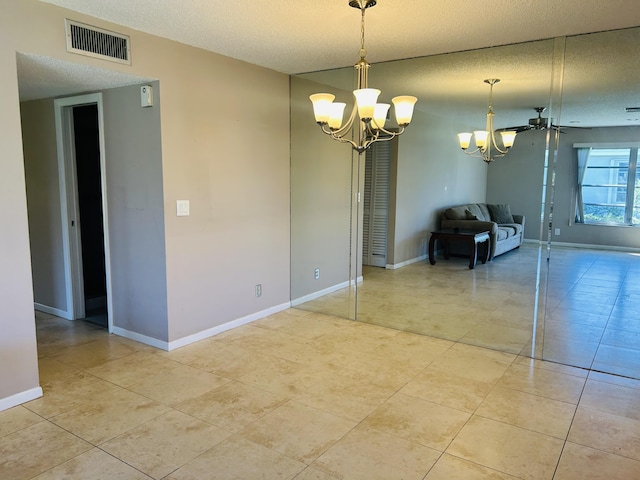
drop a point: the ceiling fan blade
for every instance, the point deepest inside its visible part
(571, 126)
(517, 129)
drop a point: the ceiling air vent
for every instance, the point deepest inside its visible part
(96, 42)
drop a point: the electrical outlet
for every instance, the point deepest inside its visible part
(557, 231)
(316, 273)
(258, 290)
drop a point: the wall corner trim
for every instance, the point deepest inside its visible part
(19, 398)
(140, 338)
(395, 266)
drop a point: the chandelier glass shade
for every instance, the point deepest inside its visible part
(367, 116)
(486, 146)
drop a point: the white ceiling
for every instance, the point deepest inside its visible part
(309, 35)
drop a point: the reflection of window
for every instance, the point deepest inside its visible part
(611, 187)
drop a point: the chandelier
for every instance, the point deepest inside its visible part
(371, 115)
(486, 146)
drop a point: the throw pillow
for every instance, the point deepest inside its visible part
(455, 213)
(470, 216)
(501, 213)
(475, 209)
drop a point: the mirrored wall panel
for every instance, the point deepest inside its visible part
(593, 302)
(374, 252)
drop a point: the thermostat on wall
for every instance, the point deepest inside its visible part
(146, 96)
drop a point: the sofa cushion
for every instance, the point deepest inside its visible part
(509, 230)
(475, 210)
(456, 213)
(470, 216)
(485, 211)
(516, 226)
(501, 214)
(502, 234)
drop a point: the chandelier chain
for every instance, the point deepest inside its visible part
(363, 52)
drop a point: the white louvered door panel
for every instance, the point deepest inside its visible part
(376, 204)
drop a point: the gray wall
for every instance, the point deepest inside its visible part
(432, 174)
(564, 204)
(43, 199)
(517, 179)
(136, 218)
(135, 209)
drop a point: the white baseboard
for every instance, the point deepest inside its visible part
(210, 332)
(595, 247)
(323, 292)
(226, 326)
(19, 398)
(52, 311)
(584, 245)
(395, 266)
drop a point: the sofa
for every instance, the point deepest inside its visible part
(506, 231)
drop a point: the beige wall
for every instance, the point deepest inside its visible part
(225, 147)
(18, 356)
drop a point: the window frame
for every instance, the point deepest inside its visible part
(632, 169)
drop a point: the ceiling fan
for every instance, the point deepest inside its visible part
(538, 123)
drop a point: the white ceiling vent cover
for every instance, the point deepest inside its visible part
(96, 42)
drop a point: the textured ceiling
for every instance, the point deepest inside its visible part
(316, 35)
(43, 77)
(309, 35)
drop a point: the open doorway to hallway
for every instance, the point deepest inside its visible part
(91, 219)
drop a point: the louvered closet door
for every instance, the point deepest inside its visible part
(376, 204)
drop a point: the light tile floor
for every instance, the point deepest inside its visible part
(308, 396)
(588, 314)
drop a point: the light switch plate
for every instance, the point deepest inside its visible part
(182, 208)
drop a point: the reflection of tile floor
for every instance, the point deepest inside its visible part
(307, 396)
(592, 307)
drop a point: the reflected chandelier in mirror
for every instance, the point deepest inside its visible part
(486, 146)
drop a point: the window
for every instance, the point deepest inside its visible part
(610, 187)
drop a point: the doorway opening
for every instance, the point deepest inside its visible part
(91, 220)
(81, 160)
